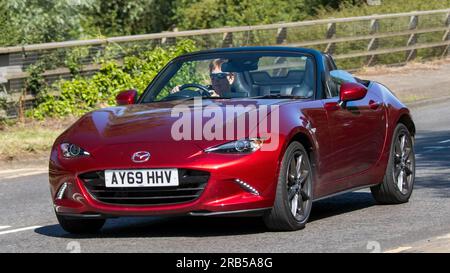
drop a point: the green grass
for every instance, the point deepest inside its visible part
(20, 142)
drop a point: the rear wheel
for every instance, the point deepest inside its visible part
(293, 200)
(79, 225)
(399, 178)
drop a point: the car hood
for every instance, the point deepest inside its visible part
(154, 122)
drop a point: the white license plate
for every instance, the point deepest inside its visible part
(141, 178)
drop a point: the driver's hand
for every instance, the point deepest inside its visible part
(213, 93)
(175, 89)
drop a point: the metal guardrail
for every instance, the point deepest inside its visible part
(367, 30)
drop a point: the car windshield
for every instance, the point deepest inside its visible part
(235, 75)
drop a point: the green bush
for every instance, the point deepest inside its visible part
(82, 94)
(40, 21)
(37, 21)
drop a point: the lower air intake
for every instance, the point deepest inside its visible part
(191, 185)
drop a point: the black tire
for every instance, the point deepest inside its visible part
(281, 216)
(393, 190)
(79, 225)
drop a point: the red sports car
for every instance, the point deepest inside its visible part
(254, 131)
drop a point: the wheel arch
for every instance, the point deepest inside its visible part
(406, 119)
(304, 139)
(302, 136)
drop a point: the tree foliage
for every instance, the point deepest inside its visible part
(124, 17)
(199, 14)
(37, 21)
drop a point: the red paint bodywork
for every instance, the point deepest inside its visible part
(348, 148)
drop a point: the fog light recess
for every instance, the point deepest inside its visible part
(246, 187)
(61, 191)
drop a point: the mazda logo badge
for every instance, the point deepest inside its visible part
(139, 157)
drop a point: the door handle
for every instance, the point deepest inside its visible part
(374, 104)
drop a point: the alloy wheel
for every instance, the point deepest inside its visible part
(299, 186)
(403, 170)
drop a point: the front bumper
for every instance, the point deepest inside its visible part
(221, 195)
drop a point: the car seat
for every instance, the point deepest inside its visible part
(306, 89)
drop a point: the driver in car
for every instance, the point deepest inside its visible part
(221, 82)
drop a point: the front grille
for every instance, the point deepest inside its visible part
(191, 185)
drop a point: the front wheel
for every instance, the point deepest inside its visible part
(293, 200)
(399, 178)
(79, 225)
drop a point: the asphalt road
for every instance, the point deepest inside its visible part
(346, 223)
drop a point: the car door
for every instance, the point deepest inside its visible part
(357, 130)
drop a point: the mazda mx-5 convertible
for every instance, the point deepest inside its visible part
(252, 131)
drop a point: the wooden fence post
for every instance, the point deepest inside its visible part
(250, 38)
(281, 36)
(373, 43)
(413, 22)
(21, 109)
(227, 40)
(169, 41)
(331, 33)
(446, 36)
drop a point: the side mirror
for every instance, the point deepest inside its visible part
(126, 97)
(350, 91)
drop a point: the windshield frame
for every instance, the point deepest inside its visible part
(163, 74)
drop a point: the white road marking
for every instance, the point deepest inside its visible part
(22, 170)
(445, 141)
(18, 230)
(23, 174)
(398, 250)
(437, 147)
(4, 227)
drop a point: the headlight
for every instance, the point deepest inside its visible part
(69, 150)
(240, 146)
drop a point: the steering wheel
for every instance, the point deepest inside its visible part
(185, 92)
(204, 90)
